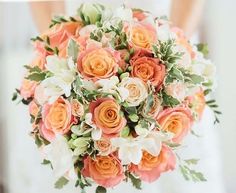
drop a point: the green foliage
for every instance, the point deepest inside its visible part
(73, 50)
(136, 182)
(60, 19)
(213, 105)
(168, 100)
(149, 103)
(190, 174)
(61, 182)
(125, 132)
(101, 189)
(37, 77)
(164, 51)
(203, 48)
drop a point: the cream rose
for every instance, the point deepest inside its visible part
(137, 90)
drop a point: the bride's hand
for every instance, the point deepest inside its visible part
(186, 14)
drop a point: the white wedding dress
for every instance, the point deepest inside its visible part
(27, 175)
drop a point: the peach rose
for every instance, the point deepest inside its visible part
(106, 116)
(177, 120)
(98, 63)
(151, 167)
(197, 102)
(139, 14)
(27, 88)
(61, 32)
(57, 118)
(107, 171)
(103, 146)
(33, 108)
(39, 61)
(147, 68)
(142, 36)
(77, 108)
(58, 34)
(155, 109)
(183, 41)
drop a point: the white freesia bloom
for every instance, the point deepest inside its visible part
(110, 86)
(185, 60)
(61, 157)
(164, 32)
(86, 30)
(138, 91)
(204, 67)
(96, 133)
(64, 74)
(130, 149)
(123, 13)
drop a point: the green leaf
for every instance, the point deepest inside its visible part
(101, 189)
(38, 141)
(45, 162)
(203, 48)
(190, 174)
(125, 132)
(135, 181)
(73, 49)
(207, 91)
(35, 76)
(191, 161)
(195, 79)
(61, 182)
(149, 103)
(134, 117)
(176, 73)
(33, 69)
(14, 96)
(169, 101)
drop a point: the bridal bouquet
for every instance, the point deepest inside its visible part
(112, 94)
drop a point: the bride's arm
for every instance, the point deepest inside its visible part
(186, 14)
(42, 12)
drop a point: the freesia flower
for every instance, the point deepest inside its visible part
(130, 149)
(60, 156)
(63, 74)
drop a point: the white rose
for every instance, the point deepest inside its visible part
(138, 91)
(110, 86)
(177, 90)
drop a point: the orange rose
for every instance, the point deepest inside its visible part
(147, 68)
(142, 36)
(139, 14)
(97, 63)
(106, 115)
(107, 171)
(197, 102)
(57, 118)
(177, 120)
(151, 167)
(103, 146)
(27, 88)
(57, 35)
